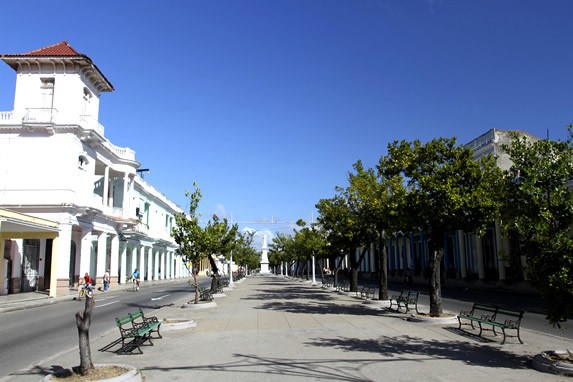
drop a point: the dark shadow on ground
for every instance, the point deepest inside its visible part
(473, 336)
(402, 347)
(149, 306)
(265, 367)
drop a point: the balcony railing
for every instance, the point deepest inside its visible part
(6, 116)
(90, 123)
(39, 115)
(122, 152)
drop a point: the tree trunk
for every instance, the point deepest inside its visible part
(354, 279)
(355, 265)
(196, 300)
(215, 278)
(436, 256)
(382, 269)
(336, 270)
(213, 265)
(83, 322)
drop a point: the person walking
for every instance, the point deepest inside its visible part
(106, 281)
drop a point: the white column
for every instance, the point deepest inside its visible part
(85, 252)
(156, 265)
(105, 186)
(114, 262)
(168, 265)
(141, 263)
(162, 264)
(149, 257)
(134, 254)
(101, 257)
(59, 282)
(126, 202)
(123, 264)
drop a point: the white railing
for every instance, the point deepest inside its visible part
(122, 152)
(90, 123)
(6, 115)
(39, 115)
(141, 228)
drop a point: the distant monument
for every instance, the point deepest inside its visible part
(264, 257)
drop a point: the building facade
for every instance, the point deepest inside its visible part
(56, 164)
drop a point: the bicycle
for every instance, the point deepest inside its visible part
(135, 284)
(84, 292)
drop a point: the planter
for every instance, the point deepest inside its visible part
(131, 375)
(177, 324)
(554, 362)
(200, 305)
(445, 319)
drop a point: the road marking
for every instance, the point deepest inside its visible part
(158, 298)
(109, 303)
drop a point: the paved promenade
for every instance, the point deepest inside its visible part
(269, 328)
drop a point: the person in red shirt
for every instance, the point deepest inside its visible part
(88, 282)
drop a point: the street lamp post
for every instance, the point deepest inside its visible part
(231, 284)
(313, 271)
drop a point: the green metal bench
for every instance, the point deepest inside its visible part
(204, 294)
(405, 299)
(152, 322)
(136, 334)
(496, 316)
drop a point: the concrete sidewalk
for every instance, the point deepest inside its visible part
(269, 328)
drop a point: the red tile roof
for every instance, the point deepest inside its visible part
(59, 49)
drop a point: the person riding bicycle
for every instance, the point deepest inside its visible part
(135, 277)
(85, 283)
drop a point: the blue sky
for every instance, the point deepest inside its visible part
(266, 104)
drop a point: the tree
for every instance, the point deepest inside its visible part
(446, 190)
(197, 243)
(83, 323)
(282, 249)
(377, 199)
(310, 241)
(341, 217)
(243, 253)
(540, 211)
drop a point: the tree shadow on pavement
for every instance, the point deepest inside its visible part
(290, 293)
(408, 346)
(320, 307)
(264, 368)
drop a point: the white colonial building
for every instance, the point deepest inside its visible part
(73, 202)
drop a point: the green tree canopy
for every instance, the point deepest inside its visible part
(446, 190)
(195, 242)
(540, 209)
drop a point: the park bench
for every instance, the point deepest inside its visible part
(222, 284)
(328, 281)
(406, 298)
(204, 294)
(496, 316)
(366, 292)
(343, 286)
(152, 322)
(136, 333)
